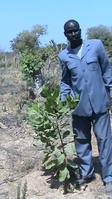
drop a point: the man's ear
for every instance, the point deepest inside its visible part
(65, 33)
(80, 30)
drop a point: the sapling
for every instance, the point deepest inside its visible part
(52, 128)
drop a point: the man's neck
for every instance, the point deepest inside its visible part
(76, 44)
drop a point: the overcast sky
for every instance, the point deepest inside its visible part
(19, 15)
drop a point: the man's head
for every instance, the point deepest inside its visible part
(73, 32)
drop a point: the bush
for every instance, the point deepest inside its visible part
(30, 64)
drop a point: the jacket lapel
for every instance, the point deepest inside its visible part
(85, 49)
(71, 54)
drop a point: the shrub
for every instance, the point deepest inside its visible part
(31, 64)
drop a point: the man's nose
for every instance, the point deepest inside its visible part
(73, 33)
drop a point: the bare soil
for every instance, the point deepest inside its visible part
(20, 160)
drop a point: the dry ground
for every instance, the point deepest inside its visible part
(20, 160)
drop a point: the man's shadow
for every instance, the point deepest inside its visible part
(97, 165)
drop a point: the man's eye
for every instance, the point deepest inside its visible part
(69, 32)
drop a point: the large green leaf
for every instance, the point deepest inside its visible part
(50, 164)
(60, 159)
(63, 174)
(69, 150)
(56, 152)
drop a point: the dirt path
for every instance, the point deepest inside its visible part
(20, 160)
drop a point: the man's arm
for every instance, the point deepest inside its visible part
(65, 84)
(106, 71)
(105, 67)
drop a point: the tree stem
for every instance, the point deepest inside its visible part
(61, 140)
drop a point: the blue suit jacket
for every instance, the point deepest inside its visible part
(89, 76)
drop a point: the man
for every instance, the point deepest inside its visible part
(86, 71)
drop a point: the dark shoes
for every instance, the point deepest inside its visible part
(108, 188)
(83, 181)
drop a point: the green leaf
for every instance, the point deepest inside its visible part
(60, 159)
(50, 164)
(43, 139)
(69, 150)
(45, 91)
(56, 152)
(51, 134)
(56, 93)
(61, 104)
(72, 164)
(66, 133)
(63, 174)
(46, 158)
(50, 104)
(70, 188)
(72, 102)
(39, 127)
(35, 107)
(47, 124)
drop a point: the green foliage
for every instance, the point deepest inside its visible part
(50, 52)
(31, 63)
(105, 34)
(28, 40)
(18, 191)
(24, 191)
(50, 126)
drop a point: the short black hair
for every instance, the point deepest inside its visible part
(71, 21)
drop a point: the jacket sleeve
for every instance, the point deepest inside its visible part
(65, 84)
(105, 67)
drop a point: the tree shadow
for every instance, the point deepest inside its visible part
(53, 181)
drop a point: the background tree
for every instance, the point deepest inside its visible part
(28, 40)
(36, 61)
(105, 34)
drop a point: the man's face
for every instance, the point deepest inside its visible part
(72, 32)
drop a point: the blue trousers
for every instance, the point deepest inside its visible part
(102, 129)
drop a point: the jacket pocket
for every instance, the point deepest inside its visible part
(73, 63)
(92, 63)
